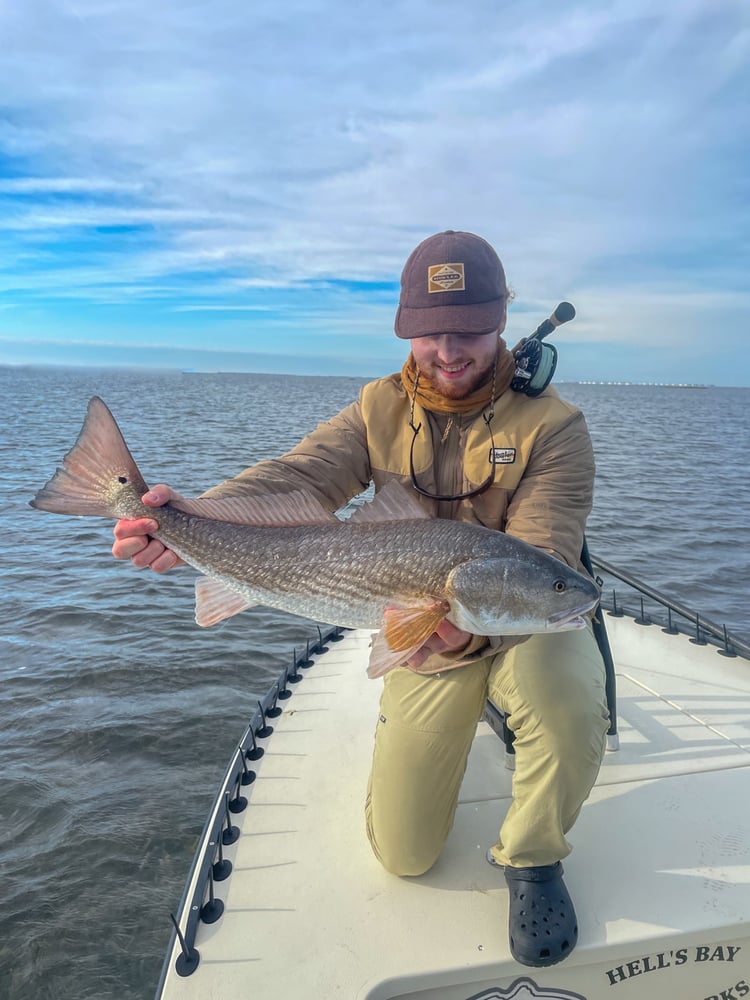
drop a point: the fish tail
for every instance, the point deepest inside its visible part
(98, 475)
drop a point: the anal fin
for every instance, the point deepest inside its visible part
(214, 601)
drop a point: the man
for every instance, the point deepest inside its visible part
(450, 427)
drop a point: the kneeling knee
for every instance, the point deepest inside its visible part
(403, 859)
(405, 865)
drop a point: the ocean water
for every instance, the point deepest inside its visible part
(118, 714)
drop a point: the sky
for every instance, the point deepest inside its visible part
(235, 186)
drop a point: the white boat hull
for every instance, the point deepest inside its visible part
(660, 871)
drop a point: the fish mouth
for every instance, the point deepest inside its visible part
(570, 619)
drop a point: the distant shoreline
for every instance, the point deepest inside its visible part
(179, 372)
(655, 385)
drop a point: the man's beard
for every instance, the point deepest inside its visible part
(449, 391)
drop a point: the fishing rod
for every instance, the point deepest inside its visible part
(563, 314)
(536, 361)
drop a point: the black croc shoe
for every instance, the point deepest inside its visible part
(542, 924)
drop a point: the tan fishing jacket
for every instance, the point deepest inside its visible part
(544, 466)
(544, 471)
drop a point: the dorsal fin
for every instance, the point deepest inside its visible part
(271, 510)
(392, 503)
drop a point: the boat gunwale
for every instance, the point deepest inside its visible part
(703, 630)
(200, 875)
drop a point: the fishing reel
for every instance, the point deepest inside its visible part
(535, 360)
(535, 366)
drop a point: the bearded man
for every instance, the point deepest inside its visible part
(450, 428)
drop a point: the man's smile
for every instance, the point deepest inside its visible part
(453, 369)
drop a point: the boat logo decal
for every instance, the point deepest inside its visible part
(526, 989)
(680, 956)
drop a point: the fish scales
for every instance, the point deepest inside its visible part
(363, 565)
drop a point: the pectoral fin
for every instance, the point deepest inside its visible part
(407, 627)
(214, 602)
(405, 630)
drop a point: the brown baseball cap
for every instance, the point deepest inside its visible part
(452, 283)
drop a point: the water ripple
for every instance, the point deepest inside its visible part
(118, 714)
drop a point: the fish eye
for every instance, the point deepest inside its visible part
(122, 479)
(559, 586)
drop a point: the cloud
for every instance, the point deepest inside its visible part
(66, 185)
(224, 156)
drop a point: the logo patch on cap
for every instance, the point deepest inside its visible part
(446, 278)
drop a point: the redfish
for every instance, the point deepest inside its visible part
(389, 567)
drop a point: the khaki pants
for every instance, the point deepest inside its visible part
(552, 689)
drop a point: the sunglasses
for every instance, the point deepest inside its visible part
(452, 496)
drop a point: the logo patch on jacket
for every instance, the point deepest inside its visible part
(446, 278)
(502, 456)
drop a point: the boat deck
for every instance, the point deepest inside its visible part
(660, 871)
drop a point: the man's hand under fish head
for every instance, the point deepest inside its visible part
(447, 639)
